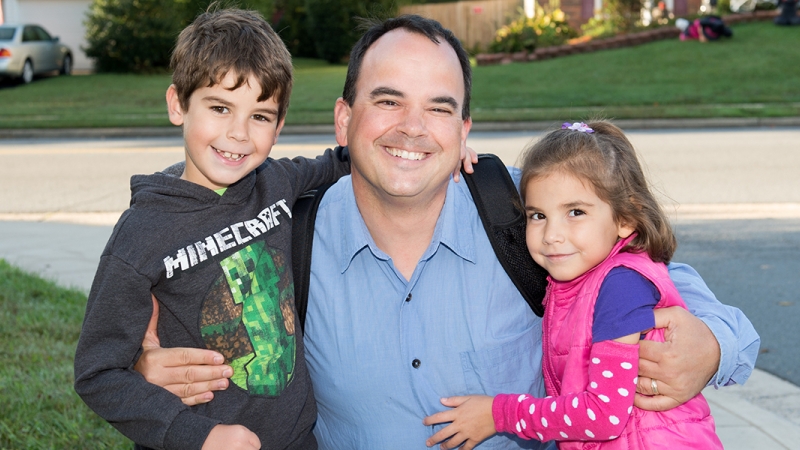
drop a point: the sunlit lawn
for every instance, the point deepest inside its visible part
(40, 327)
(754, 74)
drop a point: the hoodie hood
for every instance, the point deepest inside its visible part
(166, 191)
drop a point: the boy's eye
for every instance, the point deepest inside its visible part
(536, 216)
(576, 212)
(219, 109)
(261, 118)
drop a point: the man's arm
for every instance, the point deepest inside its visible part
(190, 373)
(720, 347)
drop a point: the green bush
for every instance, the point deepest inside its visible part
(333, 26)
(131, 35)
(139, 35)
(543, 30)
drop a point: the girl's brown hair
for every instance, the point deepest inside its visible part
(607, 160)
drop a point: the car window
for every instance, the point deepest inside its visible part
(29, 34)
(43, 35)
(7, 33)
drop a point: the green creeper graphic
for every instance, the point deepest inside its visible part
(257, 280)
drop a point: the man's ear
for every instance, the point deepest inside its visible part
(174, 109)
(341, 117)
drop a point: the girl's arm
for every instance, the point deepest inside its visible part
(600, 413)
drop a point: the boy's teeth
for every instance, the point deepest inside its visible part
(229, 155)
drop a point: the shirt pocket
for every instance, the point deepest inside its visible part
(514, 366)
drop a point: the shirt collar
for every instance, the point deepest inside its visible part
(451, 229)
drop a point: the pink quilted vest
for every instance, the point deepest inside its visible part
(568, 338)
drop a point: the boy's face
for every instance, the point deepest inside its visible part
(227, 133)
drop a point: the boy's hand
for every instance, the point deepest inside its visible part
(190, 373)
(681, 365)
(231, 437)
(472, 422)
(468, 158)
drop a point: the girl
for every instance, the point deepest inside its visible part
(594, 225)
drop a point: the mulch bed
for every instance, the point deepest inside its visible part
(624, 40)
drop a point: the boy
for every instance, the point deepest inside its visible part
(213, 245)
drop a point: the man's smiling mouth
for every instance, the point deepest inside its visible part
(405, 154)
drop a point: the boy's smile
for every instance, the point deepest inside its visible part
(227, 133)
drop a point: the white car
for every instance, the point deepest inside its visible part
(27, 50)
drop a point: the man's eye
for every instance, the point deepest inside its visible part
(388, 102)
(576, 212)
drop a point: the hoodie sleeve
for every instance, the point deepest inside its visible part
(324, 169)
(117, 313)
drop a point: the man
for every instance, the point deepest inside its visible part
(407, 301)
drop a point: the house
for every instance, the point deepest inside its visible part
(62, 18)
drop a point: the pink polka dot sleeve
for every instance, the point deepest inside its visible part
(597, 414)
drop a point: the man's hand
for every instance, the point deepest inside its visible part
(190, 373)
(681, 366)
(468, 158)
(231, 437)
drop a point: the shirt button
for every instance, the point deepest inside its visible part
(415, 363)
(408, 299)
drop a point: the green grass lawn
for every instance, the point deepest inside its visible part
(40, 327)
(754, 74)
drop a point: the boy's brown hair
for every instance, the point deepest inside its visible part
(606, 160)
(236, 41)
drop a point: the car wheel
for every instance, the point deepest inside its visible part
(66, 66)
(27, 72)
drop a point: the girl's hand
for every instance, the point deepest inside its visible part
(471, 418)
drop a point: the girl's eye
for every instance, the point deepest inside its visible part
(576, 212)
(536, 216)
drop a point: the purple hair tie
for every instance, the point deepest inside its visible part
(577, 126)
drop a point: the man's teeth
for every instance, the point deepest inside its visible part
(231, 156)
(405, 154)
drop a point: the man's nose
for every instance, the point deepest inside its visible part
(412, 123)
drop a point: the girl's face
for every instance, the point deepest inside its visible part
(570, 229)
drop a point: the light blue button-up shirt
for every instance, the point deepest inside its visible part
(382, 351)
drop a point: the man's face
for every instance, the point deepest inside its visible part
(227, 133)
(404, 129)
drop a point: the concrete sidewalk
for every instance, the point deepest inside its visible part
(763, 414)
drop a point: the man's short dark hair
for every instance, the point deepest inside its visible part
(430, 28)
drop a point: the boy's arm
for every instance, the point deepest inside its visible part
(311, 173)
(117, 314)
(681, 365)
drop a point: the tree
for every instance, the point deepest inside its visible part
(333, 26)
(139, 35)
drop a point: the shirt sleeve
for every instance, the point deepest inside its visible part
(624, 305)
(311, 173)
(738, 340)
(597, 414)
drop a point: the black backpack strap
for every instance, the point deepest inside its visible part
(304, 214)
(497, 200)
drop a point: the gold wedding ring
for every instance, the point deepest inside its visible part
(654, 386)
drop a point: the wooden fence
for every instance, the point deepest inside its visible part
(473, 22)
